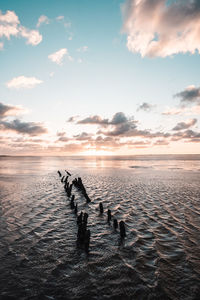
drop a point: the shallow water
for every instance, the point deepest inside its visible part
(157, 197)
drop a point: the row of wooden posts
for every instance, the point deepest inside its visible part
(83, 235)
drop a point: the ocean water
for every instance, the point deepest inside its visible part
(158, 198)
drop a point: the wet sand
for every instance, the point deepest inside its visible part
(158, 200)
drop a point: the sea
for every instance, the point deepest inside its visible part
(156, 196)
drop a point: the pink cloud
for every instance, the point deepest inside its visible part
(10, 26)
(159, 28)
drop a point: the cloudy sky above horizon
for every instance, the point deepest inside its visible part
(99, 77)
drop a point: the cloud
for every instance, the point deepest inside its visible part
(9, 110)
(29, 128)
(145, 107)
(51, 74)
(190, 95)
(58, 56)
(114, 143)
(161, 143)
(173, 111)
(187, 134)
(162, 27)
(118, 125)
(42, 20)
(10, 26)
(125, 129)
(21, 82)
(73, 118)
(67, 24)
(139, 144)
(23, 145)
(26, 139)
(9, 30)
(104, 143)
(82, 49)
(9, 17)
(16, 125)
(84, 136)
(112, 134)
(195, 110)
(117, 132)
(67, 148)
(61, 133)
(59, 18)
(130, 130)
(62, 19)
(63, 139)
(118, 118)
(185, 125)
(96, 120)
(33, 36)
(1, 46)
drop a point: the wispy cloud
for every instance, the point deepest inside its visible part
(10, 26)
(22, 82)
(51, 74)
(173, 111)
(66, 23)
(161, 143)
(42, 20)
(82, 49)
(59, 18)
(58, 56)
(162, 27)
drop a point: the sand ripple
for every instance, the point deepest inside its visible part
(159, 258)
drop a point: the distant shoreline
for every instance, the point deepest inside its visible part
(122, 157)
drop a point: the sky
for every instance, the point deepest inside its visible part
(90, 77)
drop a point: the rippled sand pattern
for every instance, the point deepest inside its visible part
(159, 258)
